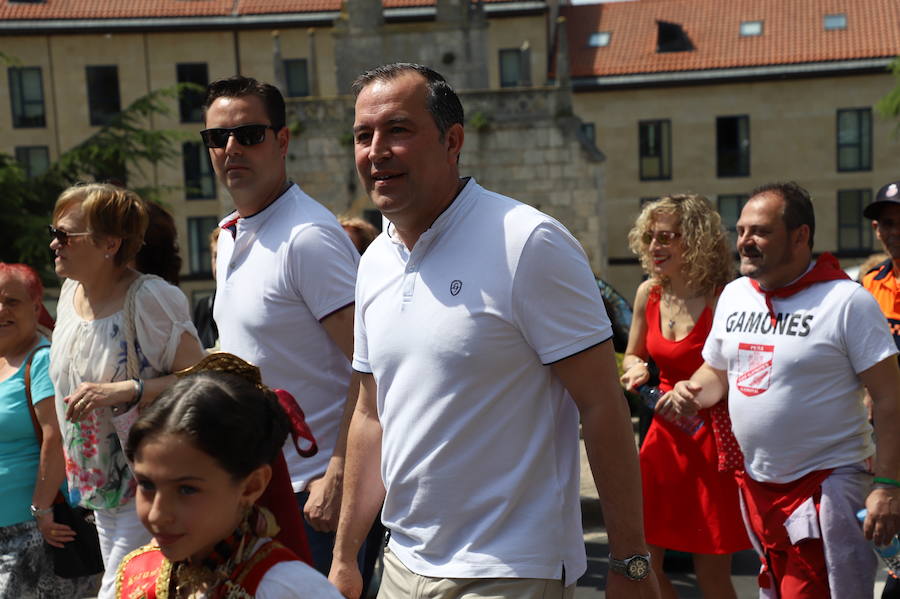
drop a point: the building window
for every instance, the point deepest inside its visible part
(854, 230)
(190, 101)
(199, 178)
(854, 139)
(26, 93)
(835, 22)
(733, 146)
(510, 67)
(297, 72)
(35, 160)
(103, 94)
(599, 39)
(655, 147)
(730, 206)
(589, 131)
(751, 28)
(199, 229)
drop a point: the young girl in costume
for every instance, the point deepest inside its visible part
(201, 456)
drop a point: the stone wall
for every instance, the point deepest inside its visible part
(525, 143)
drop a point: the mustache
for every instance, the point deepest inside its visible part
(751, 253)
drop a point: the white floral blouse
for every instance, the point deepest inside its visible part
(93, 351)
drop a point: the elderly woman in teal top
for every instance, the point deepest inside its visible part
(31, 473)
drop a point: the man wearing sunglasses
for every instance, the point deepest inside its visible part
(285, 280)
(793, 343)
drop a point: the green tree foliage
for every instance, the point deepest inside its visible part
(889, 106)
(128, 145)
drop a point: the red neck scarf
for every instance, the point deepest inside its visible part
(827, 268)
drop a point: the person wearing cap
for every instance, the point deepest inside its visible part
(883, 281)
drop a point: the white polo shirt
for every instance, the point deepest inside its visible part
(287, 268)
(794, 391)
(480, 447)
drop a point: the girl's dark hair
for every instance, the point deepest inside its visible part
(226, 416)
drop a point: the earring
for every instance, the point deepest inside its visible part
(106, 256)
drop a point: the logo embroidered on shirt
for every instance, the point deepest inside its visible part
(455, 287)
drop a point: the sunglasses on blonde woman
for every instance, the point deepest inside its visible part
(663, 238)
(63, 236)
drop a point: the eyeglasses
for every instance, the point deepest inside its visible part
(63, 236)
(663, 238)
(246, 135)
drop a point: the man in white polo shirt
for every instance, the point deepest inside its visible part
(480, 338)
(284, 287)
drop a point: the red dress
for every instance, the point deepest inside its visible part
(689, 505)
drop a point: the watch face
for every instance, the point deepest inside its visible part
(638, 568)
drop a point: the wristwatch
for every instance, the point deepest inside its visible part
(35, 512)
(633, 567)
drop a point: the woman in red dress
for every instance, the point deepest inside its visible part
(690, 495)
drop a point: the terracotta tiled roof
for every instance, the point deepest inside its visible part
(125, 9)
(793, 32)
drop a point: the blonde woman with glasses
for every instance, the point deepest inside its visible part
(690, 495)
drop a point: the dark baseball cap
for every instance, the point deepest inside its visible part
(889, 194)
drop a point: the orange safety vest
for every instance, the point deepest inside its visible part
(882, 283)
(145, 573)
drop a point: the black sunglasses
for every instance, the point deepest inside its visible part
(63, 236)
(246, 135)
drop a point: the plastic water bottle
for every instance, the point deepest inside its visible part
(890, 553)
(650, 395)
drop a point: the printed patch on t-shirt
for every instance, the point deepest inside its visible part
(754, 367)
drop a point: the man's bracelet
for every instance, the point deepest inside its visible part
(883, 480)
(638, 363)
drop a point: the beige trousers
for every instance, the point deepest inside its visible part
(398, 582)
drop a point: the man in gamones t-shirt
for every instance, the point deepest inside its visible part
(793, 343)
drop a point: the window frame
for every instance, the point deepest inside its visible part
(860, 225)
(731, 229)
(193, 187)
(749, 25)
(664, 155)
(517, 53)
(289, 91)
(14, 79)
(838, 16)
(864, 151)
(743, 161)
(199, 252)
(26, 163)
(96, 112)
(190, 102)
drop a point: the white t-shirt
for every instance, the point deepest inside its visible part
(293, 580)
(794, 394)
(480, 445)
(287, 268)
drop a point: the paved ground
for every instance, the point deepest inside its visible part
(744, 567)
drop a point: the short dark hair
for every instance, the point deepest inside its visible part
(239, 86)
(440, 99)
(798, 208)
(224, 415)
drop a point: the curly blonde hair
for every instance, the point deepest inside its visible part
(707, 263)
